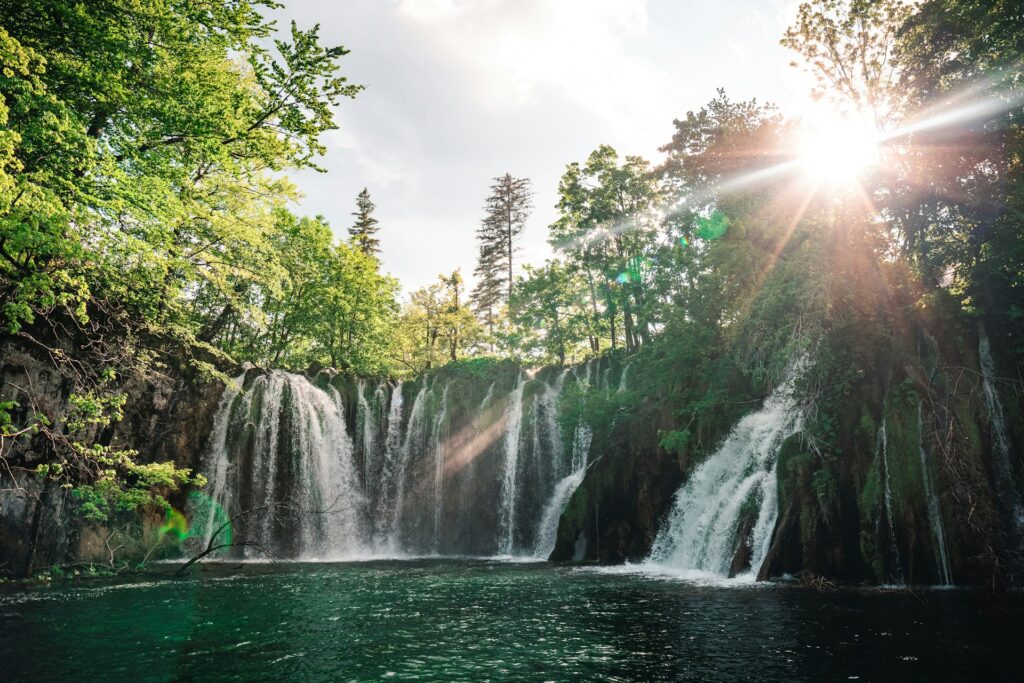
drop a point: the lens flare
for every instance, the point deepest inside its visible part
(713, 227)
(174, 525)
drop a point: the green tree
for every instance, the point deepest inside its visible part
(363, 232)
(550, 314)
(358, 313)
(436, 321)
(963, 224)
(849, 45)
(607, 229)
(507, 209)
(489, 292)
(140, 172)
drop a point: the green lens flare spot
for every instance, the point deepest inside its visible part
(175, 525)
(713, 227)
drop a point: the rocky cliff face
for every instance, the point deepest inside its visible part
(623, 499)
(163, 421)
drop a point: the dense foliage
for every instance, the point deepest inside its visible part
(143, 220)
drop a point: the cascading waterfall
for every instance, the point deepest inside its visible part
(932, 500)
(415, 472)
(414, 442)
(438, 440)
(221, 493)
(367, 418)
(624, 378)
(547, 531)
(702, 528)
(282, 467)
(487, 397)
(1001, 444)
(882, 454)
(385, 493)
(513, 429)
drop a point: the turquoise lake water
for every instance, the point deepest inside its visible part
(483, 620)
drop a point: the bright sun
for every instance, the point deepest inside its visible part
(838, 152)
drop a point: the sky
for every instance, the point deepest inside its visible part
(460, 91)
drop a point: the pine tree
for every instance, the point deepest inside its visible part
(489, 291)
(365, 228)
(507, 209)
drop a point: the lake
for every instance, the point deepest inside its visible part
(478, 619)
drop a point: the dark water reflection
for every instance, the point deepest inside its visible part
(445, 620)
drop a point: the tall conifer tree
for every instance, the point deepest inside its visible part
(506, 211)
(364, 230)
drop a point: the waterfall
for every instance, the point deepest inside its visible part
(282, 464)
(1001, 444)
(419, 474)
(547, 530)
(701, 531)
(414, 441)
(623, 378)
(438, 439)
(216, 466)
(932, 499)
(882, 454)
(513, 427)
(367, 418)
(392, 452)
(487, 397)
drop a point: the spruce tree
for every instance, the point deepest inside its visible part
(365, 228)
(506, 211)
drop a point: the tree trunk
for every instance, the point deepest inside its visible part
(630, 339)
(210, 332)
(509, 247)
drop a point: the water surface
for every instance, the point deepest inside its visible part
(476, 620)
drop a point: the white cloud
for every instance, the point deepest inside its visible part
(514, 53)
